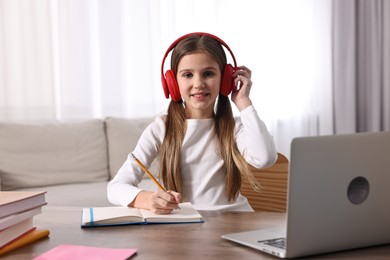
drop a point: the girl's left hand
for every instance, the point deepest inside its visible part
(243, 82)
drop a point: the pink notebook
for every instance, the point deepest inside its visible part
(76, 252)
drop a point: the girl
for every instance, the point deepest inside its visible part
(202, 149)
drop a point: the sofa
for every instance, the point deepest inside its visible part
(72, 161)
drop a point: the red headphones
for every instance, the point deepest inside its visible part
(169, 81)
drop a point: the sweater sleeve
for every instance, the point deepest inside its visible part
(253, 139)
(123, 188)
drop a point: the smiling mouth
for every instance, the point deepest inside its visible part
(199, 95)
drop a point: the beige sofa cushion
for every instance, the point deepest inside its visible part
(42, 154)
(83, 194)
(122, 137)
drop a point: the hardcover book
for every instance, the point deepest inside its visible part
(12, 202)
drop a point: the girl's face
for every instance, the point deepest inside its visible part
(199, 80)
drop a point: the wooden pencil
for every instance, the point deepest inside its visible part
(148, 173)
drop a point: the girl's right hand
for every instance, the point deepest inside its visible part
(161, 202)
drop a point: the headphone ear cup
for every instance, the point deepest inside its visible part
(172, 86)
(227, 82)
(165, 87)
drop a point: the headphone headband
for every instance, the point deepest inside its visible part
(173, 45)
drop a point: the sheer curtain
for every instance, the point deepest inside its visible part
(71, 59)
(361, 62)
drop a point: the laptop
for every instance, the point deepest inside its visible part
(338, 197)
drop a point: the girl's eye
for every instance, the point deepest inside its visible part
(208, 74)
(187, 75)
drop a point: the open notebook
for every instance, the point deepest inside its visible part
(117, 215)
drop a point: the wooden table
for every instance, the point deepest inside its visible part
(168, 241)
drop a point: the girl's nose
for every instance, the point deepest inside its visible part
(198, 82)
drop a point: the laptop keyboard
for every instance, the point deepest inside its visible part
(276, 242)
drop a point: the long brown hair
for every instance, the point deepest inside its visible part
(224, 125)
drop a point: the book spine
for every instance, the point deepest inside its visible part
(19, 237)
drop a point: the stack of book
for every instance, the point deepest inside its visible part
(17, 210)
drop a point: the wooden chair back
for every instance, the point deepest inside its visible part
(273, 181)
